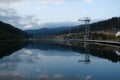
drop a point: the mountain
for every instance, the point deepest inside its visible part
(47, 31)
(9, 32)
(109, 26)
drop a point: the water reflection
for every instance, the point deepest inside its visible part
(7, 48)
(99, 50)
(59, 61)
(102, 51)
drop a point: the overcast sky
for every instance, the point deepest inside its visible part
(29, 14)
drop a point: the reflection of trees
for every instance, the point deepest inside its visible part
(8, 64)
(102, 51)
(46, 46)
(7, 48)
(105, 52)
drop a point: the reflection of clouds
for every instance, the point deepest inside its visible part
(13, 76)
(117, 52)
(27, 52)
(43, 77)
(38, 70)
(41, 71)
(4, 73)
(54, 77)
(58, 76)
(16, 74)
(28, 56)
(12, 66)
(39, 56)
(88, 77)
(34, 58)
(8, 65)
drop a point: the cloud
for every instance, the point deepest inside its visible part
(43, 1)
(61, 1)
(26, 22)
(50, 1)
(7, 12)
(21, 3)
(57, 1)
(9, 15)
(58, 24)
(11, 3)
(88, 1)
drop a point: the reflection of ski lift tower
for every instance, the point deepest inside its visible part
(87, 57)
(86, 20)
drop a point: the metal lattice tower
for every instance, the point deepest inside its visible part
(87, 57)
(86, 20)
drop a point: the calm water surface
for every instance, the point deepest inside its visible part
(59, 61)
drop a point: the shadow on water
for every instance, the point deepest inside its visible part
(8, 48)
(102, 51)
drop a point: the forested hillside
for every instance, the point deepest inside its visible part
(110, 25)
(8, 32)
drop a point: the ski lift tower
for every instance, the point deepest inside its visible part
(87, 57)
(86, 20)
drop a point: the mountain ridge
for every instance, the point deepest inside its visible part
(9, 32)
(108, 25)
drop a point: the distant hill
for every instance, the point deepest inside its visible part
(110, 26)
(47, 31)
(9, 32)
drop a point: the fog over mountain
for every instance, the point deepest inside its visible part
(110, 25)
(60, 24)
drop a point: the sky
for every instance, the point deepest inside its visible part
(33, 14)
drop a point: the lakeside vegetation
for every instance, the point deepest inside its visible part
(93, 36)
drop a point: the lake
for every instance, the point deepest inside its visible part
(59, 61)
